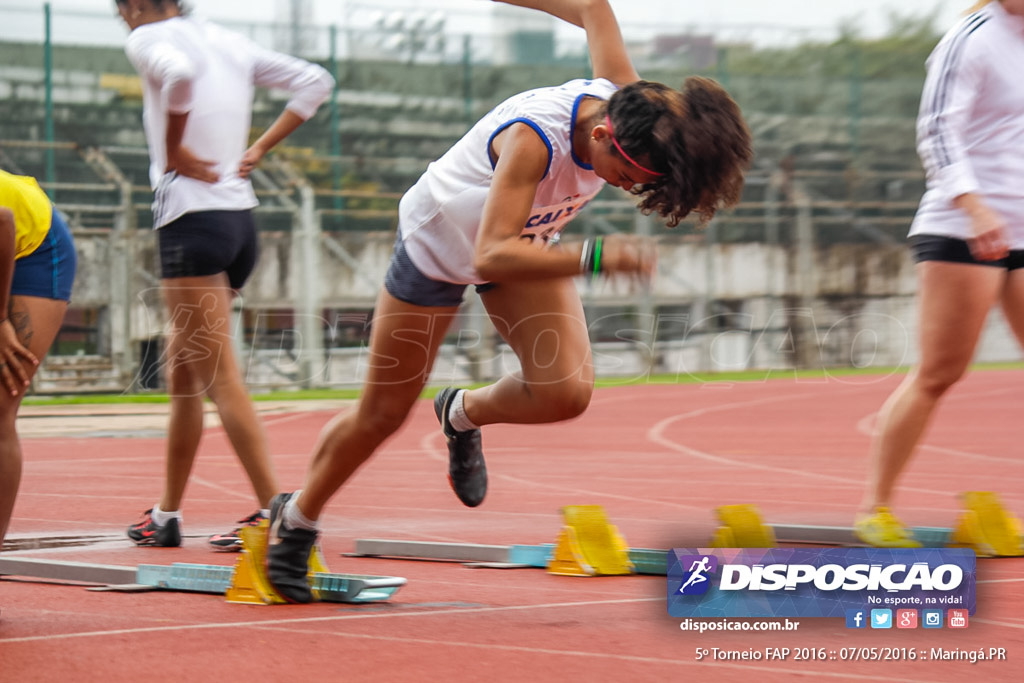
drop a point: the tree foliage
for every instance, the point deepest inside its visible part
(898, 54)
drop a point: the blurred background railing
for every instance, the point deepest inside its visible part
(808, 271)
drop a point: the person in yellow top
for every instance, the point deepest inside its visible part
(37, 268)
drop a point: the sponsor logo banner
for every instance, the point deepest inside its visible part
(818, 582)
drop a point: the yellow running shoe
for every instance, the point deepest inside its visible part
(883, 530)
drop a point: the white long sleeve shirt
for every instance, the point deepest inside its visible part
(196, 67)
(970, 128)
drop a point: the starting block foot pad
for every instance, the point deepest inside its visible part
(742, 527)
(589, 545)
(987, 527)
(247, 582)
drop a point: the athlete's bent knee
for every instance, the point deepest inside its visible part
(564, 401)
(938, 380)
(382, 420)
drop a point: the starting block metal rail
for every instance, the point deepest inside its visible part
(245, 582)
(195, 578)
(426, 550)
(645, 560)
(84, 572)
(928, 537)
(205, 578)
(108, 574)
(589, 545)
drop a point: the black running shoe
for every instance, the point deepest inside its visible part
(288, 555)
(231, 542)
(149, 533)
(467, 471)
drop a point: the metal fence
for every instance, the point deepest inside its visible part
(836, 179)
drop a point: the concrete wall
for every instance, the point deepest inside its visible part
(730, 307)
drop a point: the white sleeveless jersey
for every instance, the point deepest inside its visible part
(439, 217)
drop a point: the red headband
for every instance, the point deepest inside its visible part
(628, 158)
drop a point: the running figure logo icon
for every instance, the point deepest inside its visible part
(699, 567)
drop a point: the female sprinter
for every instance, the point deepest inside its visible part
(485, 214)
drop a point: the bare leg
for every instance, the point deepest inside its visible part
(202, 362)
(185, 421)
(955, 300)
(36, 321)
(403, 345)
(553, 347)
(1013, 303)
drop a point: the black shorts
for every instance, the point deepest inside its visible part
(207, 243)
(953, 250)
(405, 282)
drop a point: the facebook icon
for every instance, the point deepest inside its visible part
(856, 618)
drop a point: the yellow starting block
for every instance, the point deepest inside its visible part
(250, 584)
(984, 525)
(987, 527)
(742, 527)
(589, 545)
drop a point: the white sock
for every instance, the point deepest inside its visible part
(161, 517)
(457, 417)
(293, 517)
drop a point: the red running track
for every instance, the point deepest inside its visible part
(658, 458)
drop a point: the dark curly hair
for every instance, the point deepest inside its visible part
(695, 136)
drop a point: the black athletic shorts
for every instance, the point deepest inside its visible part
(207, 243)
(405, 282)
(953, 250)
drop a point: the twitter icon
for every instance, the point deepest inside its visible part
(881, 618)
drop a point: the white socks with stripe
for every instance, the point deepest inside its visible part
(293, 518)
(457, 417)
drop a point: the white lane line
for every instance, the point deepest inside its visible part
(277, 623)
(333, 618)
(427, 446)
(866, 426)
(657, 435)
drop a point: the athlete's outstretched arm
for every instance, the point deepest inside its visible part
(608, 54)
(501, 255)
